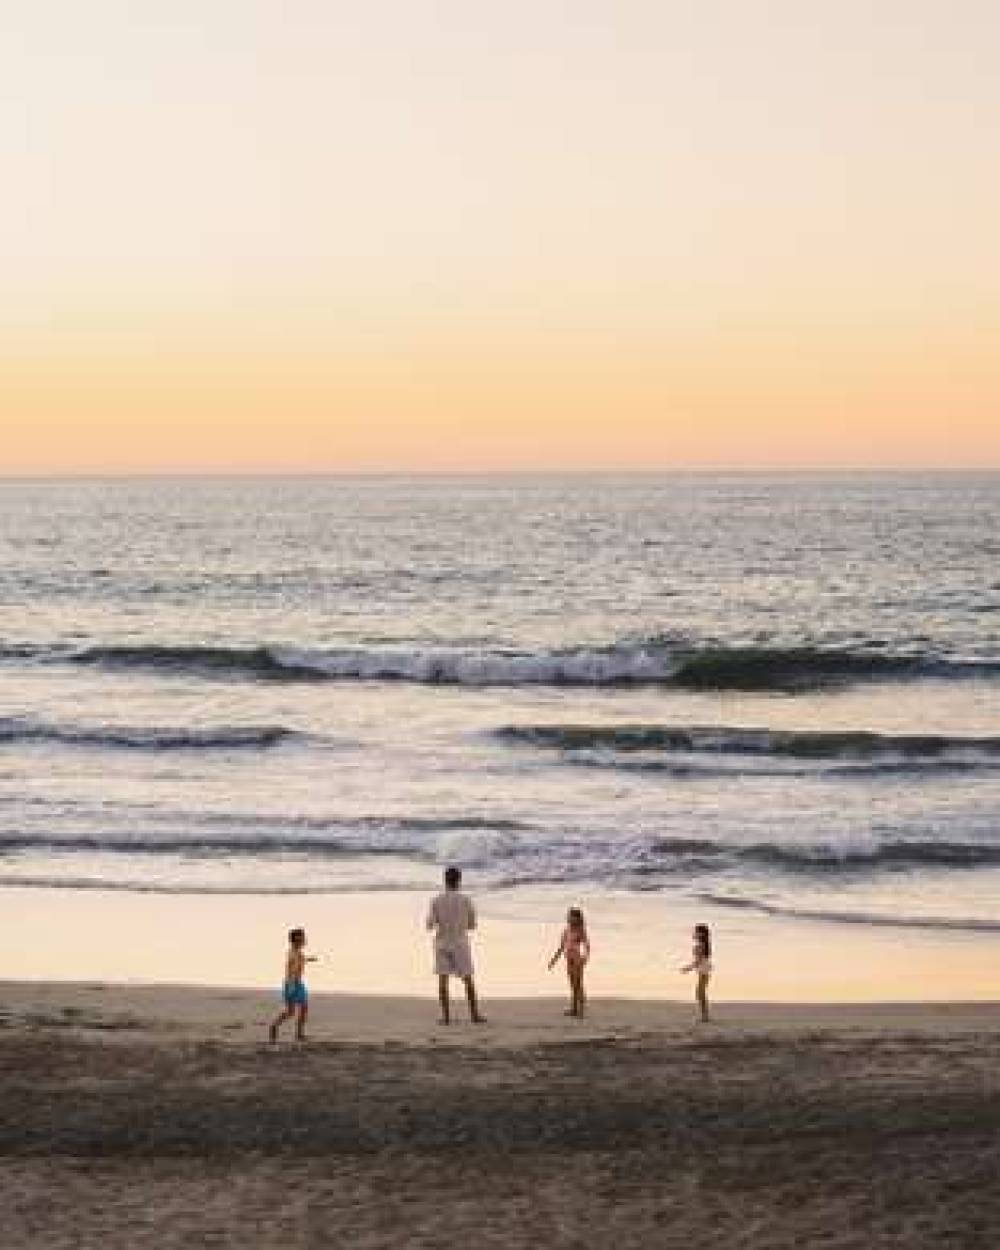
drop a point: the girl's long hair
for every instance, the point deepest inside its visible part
(574, 918)
(703, 939)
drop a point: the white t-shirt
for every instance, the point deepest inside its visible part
(451, 916)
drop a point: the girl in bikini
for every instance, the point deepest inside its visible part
(575, 946)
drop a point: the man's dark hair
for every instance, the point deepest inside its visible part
(453, 878)
(296, 936)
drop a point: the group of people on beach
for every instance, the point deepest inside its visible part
(451, 917)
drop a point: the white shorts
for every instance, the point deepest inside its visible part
(454, 960)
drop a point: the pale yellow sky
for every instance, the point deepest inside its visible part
(244, 235)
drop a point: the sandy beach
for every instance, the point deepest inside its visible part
(158, 1116)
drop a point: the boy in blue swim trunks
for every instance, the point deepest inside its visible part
(293, 989)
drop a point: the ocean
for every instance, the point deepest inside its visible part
(774, 695)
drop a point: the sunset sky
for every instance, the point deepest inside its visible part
(244, 235)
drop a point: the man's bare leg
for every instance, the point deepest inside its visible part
(470, 994)
(443, 999)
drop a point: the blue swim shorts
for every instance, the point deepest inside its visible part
(295, 993)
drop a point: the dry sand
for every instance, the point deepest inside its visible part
(137, 1117)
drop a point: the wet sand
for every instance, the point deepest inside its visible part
(376, 943)
(160, 1117)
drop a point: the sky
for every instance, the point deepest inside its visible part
(244, 235)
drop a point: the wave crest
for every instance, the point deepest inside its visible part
(149, 738)
(803, 744)
(967, 924)
(323, 837)
(651, 662)
(817, 858)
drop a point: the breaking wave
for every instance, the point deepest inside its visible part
(654, 662)
(494, 840)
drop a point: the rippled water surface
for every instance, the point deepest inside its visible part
(780, 694)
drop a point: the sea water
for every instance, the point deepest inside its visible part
(746, 694)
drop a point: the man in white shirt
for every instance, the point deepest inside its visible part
(451, 918)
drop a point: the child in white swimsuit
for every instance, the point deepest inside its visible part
(701, 963)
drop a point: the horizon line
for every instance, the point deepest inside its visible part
(82, 475)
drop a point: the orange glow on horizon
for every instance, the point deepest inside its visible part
(499, 237)
(742, 403)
